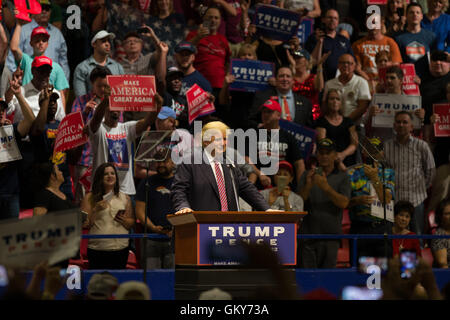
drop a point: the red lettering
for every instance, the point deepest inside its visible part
(11, 249)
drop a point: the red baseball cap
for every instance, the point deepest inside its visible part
(41, 61)
(272, 105)
(39, 30)
(286, 165)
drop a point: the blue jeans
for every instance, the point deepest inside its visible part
(9, 207)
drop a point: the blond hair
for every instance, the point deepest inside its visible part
(211, 128)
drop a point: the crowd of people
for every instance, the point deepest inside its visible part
(325, 84)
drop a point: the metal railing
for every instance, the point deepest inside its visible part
(354, 237)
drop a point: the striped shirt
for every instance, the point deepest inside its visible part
(414, 168)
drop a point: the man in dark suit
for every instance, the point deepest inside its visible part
(208, 183)
(294, 107)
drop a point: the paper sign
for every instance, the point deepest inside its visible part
(251, 75)
(409, 87)
(276, 23)
(70, 133)
(8, 145)
(305, 29)
(304, 136)
(131, 93)
(377, 208)
(198, 103)
(86, 179)
(53, 237)
(442, 126)
(390, 104)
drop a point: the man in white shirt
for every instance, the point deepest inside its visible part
(355, 89)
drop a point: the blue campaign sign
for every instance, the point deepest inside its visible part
(276, 23)
(305, 29)
(304, 136)
(219, 244)
(251, 75)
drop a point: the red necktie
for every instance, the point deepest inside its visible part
(286, 111)
(119, 158)
(221, 186)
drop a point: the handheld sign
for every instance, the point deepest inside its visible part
(409, 87)
(131, 93)
(305, 136)
(251, 75)
(8, 146)
(276, 23)
(442, 126)
(198, 103)
(70, 133)
(52, 237)
(369, 2)
(377, 208)
(305, 29)
(390, 104)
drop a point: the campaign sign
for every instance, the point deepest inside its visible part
(305, 29)
(8, 146)
(304, 136)
(70, 133)
(442, 126)
(409, 87)
(377, 207)
(276, 23)
(131, 93)
(251, 75)
(370, 2)
(219, 244)
(53, 237)
(390, 104)
(198, 103)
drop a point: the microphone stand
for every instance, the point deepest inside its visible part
(230, 166)
(144, 243)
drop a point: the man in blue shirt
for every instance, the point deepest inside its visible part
(102, 49)
(327, 39)
(57, 48)
(414, 43)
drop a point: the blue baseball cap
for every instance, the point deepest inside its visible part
(166, 112)
(185, 45)
(301, 54)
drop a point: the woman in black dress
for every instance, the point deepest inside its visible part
(49, 198)
(340, 129)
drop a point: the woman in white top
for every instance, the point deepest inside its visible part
(281, 197)
(109, 212)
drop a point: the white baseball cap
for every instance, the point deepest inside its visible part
(102, 34)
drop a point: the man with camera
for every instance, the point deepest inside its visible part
(326, 39)
(326, 192)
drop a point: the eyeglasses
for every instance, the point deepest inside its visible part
(132, 41)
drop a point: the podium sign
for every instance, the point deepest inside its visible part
(218, 244)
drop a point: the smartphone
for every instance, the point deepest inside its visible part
(282, 182)
(318, 170)
(408, 263)
(4, 280)
(207, 24)
(365, 262)
(142, 30)
(361, 293)
(120, 212)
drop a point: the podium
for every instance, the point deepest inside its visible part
(208, 255)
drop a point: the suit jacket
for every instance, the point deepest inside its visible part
(195, 187)
(303, 108)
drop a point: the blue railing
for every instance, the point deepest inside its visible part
(354, 237)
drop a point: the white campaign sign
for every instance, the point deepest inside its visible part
(53, 237)
(376, 208)
(8, 146)
(390, 104)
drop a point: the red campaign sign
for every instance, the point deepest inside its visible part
(198, 103)
(370, 2)
(442, 126)
(70, 133)
(131, 93)
(86, 179)
(409, 72)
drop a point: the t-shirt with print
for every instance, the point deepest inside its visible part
(414, 48)
(194, 78)
(213, 53)
(114, 145)
(365, 51)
